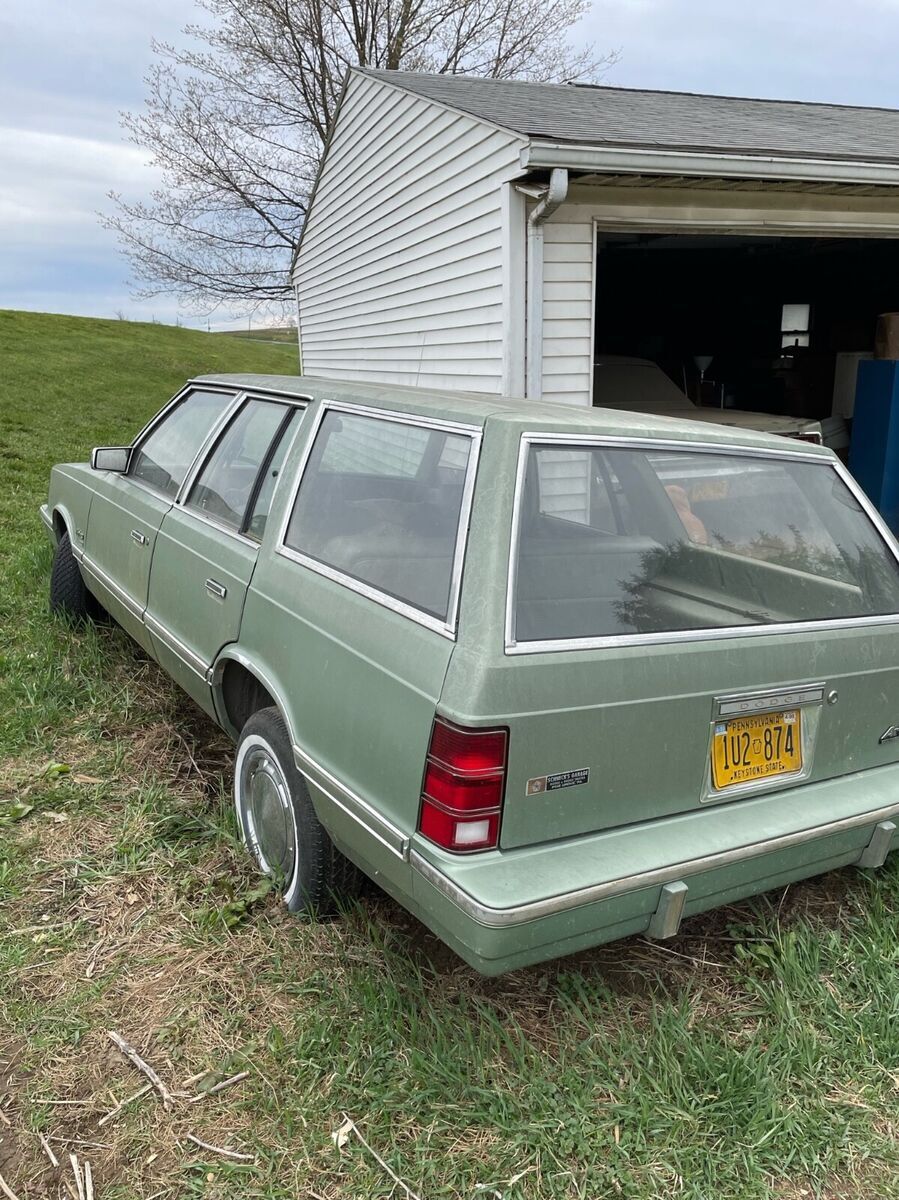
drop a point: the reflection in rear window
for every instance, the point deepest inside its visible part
(615, 541)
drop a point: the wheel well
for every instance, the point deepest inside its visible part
(242, 694)
(59, 525)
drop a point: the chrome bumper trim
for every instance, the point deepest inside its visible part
(351, 804)
(498, 918)
(47, 518)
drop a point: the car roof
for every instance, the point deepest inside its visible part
(477, 408)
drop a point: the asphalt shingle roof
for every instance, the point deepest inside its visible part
(626, 117)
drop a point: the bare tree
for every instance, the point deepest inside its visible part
(236, 123)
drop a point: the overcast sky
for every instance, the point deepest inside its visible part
(68, 68)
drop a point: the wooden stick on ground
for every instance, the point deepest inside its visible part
(88, 1181)
(45, 1146)
(219, 1087)
(7, 1190)
(131, 1054)
(219, 1149)
(350, 1124)
(148, 1087)
(76, 1171)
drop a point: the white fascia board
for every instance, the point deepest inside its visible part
(619, 161)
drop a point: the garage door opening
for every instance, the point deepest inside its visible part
(765, 324)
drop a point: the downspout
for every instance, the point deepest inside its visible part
(296, 297)
(546, 206)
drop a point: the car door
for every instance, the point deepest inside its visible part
(208, 541)
(127, 509)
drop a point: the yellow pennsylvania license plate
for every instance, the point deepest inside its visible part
(750, 748)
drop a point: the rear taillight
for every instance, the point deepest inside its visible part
(462, 795)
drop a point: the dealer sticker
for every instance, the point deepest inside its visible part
(553, 783)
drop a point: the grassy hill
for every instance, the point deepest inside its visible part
(101, 380)
(753, 1057)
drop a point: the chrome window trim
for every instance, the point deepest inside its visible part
(446, 628)
(251, 390)
(227, 408)
(499, 918)
(208, 447)
(613, 641)
(218, 426)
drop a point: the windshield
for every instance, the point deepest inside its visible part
(624, 541)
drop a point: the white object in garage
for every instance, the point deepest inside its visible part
(639, 385)
(844, 378)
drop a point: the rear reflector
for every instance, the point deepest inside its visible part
(462, 796)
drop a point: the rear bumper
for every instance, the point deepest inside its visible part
(510, 908)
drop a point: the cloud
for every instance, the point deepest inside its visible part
(54, 184)
(824, 50)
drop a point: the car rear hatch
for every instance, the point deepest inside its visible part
(687, 628)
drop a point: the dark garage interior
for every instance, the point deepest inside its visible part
(774, 320)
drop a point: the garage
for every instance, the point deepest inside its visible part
(769, 324)
(522, 239)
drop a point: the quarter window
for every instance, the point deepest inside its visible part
(380, 501)
(225, 485)
(163, 458)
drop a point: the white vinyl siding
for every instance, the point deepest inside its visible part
(567, 308)
(399, 275)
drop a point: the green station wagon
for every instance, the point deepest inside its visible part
(549, 676)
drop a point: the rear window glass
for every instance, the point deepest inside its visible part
(380, 501)
(622, 541)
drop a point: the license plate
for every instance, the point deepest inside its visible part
(751, 748)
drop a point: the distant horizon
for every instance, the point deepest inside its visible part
(69, 70)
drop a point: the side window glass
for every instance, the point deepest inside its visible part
(263, 501)
(163, 458)
(225, 484)
(380, 501)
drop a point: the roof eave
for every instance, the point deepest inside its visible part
(538, 154)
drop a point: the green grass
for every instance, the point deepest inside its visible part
(754, 1056)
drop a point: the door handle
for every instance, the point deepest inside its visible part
(140, 538)
(214, 588)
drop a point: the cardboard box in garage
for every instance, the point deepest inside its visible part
(886, 339)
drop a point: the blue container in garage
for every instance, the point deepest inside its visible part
(874, 451)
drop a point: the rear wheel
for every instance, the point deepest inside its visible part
(68, 594)
(278, 823)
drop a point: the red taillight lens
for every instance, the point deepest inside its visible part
(462, 796)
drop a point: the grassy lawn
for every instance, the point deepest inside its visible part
(756, 1055)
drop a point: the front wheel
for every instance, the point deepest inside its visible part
(278, 823)
(68, 594)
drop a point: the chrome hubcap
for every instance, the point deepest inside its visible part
(268, 815)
